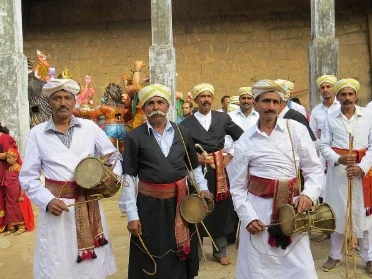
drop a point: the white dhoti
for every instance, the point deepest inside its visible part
(56, 249)
(258, 260)
(336, 197)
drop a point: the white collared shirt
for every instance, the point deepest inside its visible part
(335, 133)
(204, 120)
(271, 157)
(318, 114)
(369, 105)
(243, 121)
(165, 140)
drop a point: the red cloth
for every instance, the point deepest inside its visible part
(6, 142)
(28, 214)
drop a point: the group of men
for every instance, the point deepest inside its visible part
(253, 171)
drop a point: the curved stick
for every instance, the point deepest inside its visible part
(214, 244)
(148, 253)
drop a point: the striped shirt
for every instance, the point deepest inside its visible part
(65, 138)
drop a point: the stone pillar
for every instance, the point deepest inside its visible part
(162, 52)
(14, 109)
(323, 49)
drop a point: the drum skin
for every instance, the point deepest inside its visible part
(89, 174)
(193, 209)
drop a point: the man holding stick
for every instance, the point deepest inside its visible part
(263, 177)
(161, 154)
(338, 126)
(68, 238)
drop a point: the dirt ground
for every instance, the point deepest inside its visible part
(16, 260)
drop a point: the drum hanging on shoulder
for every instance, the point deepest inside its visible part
(321, 219)
(194, 208)
(89, 174)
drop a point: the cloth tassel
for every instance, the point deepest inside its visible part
(277, 238)
(102, 241)
(183, 252)
(79, 259)
(222, 196)
(94, 256)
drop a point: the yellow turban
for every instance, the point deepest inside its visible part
(347, 82)
(154, 90)
(200, 88)
(56, 85)
(326, 78)
(266, 85)
(234, 100)
(245, 90)
(287, 85)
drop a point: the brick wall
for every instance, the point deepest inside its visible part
(229, 44)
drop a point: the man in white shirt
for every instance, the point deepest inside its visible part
(262, 161)
(329, 104)
(71, 242)
(244, 116)
(349, 120)
(369, 105)
(160, 153)
(225, 102)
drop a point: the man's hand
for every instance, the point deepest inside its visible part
(135, 227)
(227, 159)
(303, 203)
(255, 226)
(57, 206)
(21, 199)
(347, 160)
(107, 181)
(205, 194)
(353, 171)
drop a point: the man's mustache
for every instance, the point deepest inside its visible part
(347, 103)
(206, 103)
(156, 112)
(62, 107)
(270, 111)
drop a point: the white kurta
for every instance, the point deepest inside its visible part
(318, 114)
(271, 157)
(335, 134)
(56, 244)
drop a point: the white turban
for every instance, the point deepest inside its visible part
(234, 100)
(326, 78)
(266, 85)
(200, 88)
(154, 90)
(347, 82)
(55, 85)
(287, 85)
(245, 90)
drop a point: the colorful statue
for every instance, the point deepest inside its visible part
(85, 97)
(38, 105)
(117, 115)
(42, 68)
(132, 86)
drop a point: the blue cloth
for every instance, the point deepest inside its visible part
(116, 131)
(165, 140)
(180, 119)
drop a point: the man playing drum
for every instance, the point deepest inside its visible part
(159, 153)
(208, 128)
(352, 120)
(68, 238)
(263, 178)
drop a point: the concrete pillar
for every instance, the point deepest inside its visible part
(162, 53)
(14, 109)
(323, 49)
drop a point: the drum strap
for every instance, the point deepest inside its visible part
(366, 179)
(176, 190)
(87, 217)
